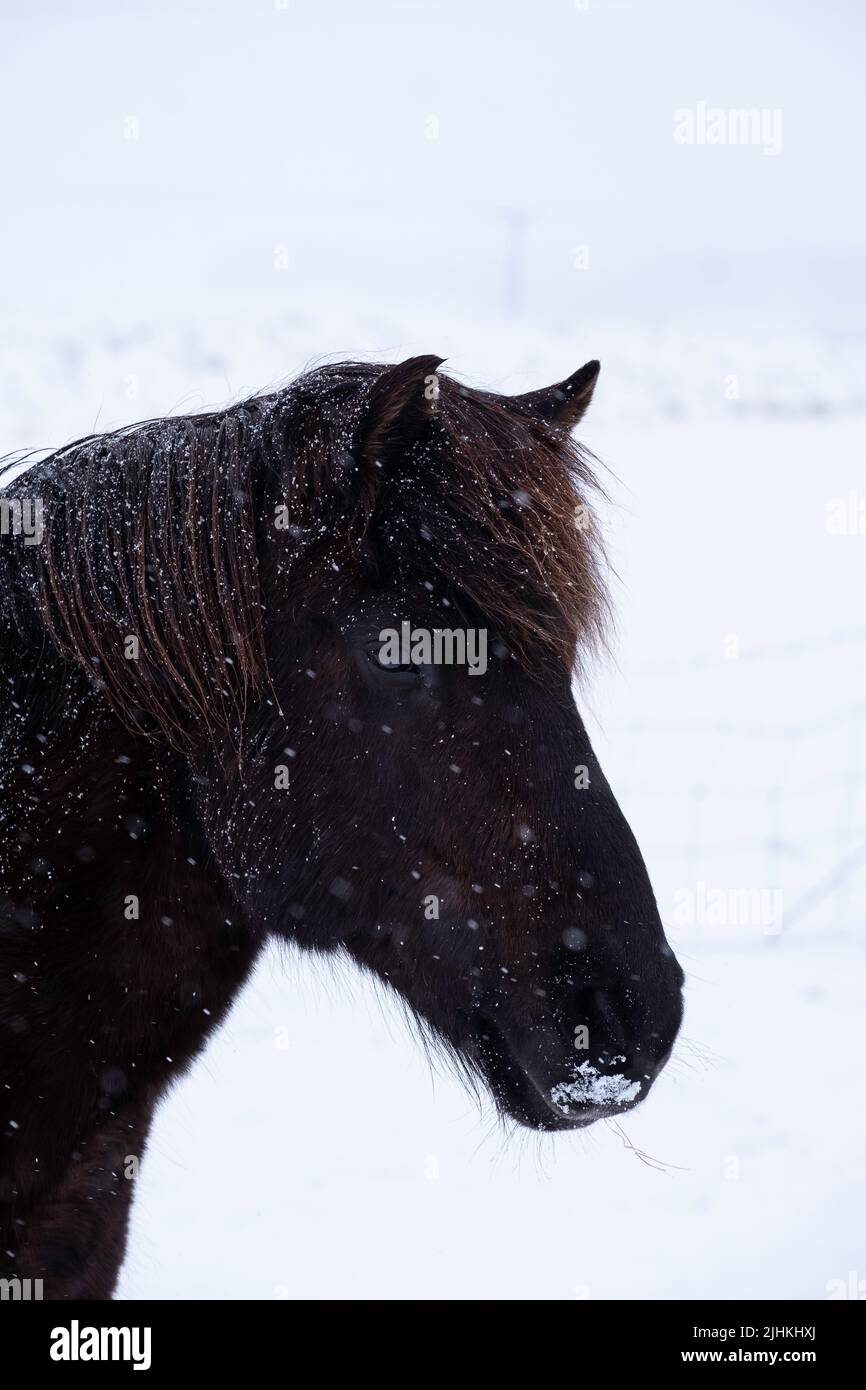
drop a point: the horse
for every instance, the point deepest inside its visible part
(203, 748)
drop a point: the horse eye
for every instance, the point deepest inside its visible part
(374, 656)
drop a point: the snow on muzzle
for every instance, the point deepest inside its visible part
(551, 1074)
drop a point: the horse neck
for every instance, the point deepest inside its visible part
(102, 858)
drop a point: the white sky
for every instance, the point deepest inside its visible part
(304, 127)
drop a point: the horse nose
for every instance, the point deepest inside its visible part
(635, 1035)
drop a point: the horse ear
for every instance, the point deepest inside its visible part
(566, 403)
(400, 407)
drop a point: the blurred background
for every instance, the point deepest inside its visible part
(201, 199)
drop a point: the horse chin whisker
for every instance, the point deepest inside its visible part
(691, 1055)
(660, 1165)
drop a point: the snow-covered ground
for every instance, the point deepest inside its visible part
(347, 1174)
(310, 1153)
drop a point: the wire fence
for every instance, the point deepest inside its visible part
(757, 831)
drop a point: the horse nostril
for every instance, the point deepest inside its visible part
(610, 1017)
(615, 1027)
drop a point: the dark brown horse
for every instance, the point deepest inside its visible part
(203, 745)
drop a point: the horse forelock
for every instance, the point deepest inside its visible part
(489, 501)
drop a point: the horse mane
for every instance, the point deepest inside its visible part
(155, 533)
(150, 535)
